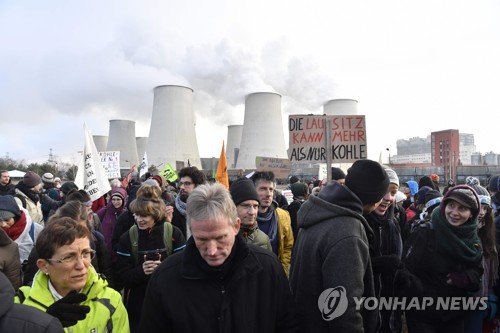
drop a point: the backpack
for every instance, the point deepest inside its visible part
(22, 198)
(134, 239)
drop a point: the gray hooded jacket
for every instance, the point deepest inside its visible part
(332, 251)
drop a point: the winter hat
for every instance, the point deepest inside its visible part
(493, 184)
(465, 196)
(158, 179)
(48, 177)
(57, 179)
(413, 186)
(393, 176)
(8, 206)
(67, 187)
(5, 215)
(420, 196)
(471, 181)
(400, 196)
(482, 193)
(337, 173)
(368, 180)
(435, 178)
(294, 179)
(150, 181)
(243, 189)
(31, 179)
(425, 181)
(119, 192)
(432, 199)
(298, 189)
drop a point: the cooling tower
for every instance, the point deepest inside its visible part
(172, 137)
(101, 142)
(122, 138)
(341, 107)
(233, 144)
(141, 142)
(262, 130)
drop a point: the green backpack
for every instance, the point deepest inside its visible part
(167, 239)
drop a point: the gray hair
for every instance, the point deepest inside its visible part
(210, 202)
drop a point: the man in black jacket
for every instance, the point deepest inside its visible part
(218, 283)
(6, 185)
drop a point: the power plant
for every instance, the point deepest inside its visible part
(172, 136)
(262, 129)
(341, 107)
(101, 142)
(233, 144)
(122, 138)
(141, 142)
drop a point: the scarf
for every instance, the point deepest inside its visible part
(180, 205)
(17, 228)
(32, 195)
(460, 243)
(268, 222)
(389, 241)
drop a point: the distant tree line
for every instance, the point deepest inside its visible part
(65, 171)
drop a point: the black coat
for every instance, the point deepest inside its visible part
(7, 189)
(250, 294)
(179, 221)
(131, 274)
(424, 262)
(19, 318)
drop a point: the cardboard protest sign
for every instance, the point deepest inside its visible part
(309, 134)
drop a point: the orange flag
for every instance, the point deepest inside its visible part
(221, 175)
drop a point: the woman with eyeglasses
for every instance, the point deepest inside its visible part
(68, 287)
(77, 211)
(145, 245)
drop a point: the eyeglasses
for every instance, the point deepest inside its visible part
(186, 184)
(72, 258)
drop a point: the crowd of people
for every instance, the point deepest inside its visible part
(194, 256)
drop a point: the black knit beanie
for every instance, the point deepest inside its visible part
(337, 173)
(298, 189)
(243, 189)
(368, 180)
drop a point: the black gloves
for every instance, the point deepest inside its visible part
(386, 264)
(407, 284)
(68, 310)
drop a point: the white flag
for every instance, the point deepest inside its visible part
(143, 168)
(91, 175)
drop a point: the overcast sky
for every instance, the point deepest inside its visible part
(414, 66)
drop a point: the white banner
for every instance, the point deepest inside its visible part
(91, 175)
(143, 168)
